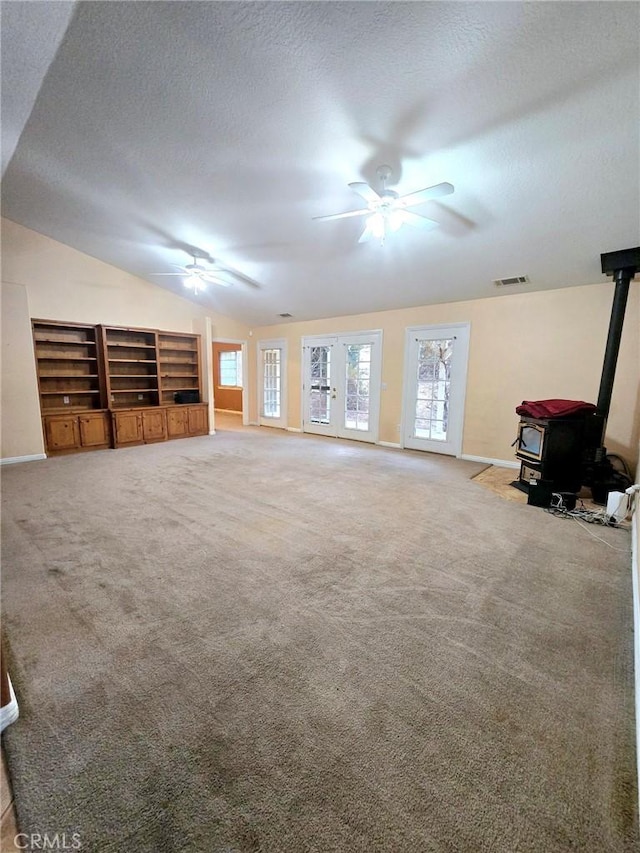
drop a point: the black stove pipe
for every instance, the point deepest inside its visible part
(622, 278)
(598, 473)
(622, 266)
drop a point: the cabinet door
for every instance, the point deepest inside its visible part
(177, 422)
(127, 428)
(94, 430)
(197, 419)
(154, 425)
(61, 432)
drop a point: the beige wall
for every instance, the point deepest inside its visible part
(523, 347)
(45, 279)
(21, 433)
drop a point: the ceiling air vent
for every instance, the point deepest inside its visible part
(285, 315)
(507, 282)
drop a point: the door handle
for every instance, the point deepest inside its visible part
(333, 395)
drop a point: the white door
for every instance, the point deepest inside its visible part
(435, 386)
(272, 377)
(341, 385)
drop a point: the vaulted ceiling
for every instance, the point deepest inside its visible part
(221, 129)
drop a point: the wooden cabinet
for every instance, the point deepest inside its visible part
(61, 433)
(198, 420)
(116, 386)
(127, 428)
(76, 431)
(177, 422)
(94, 430)
(139, 426)
(183, 421)
(154, 425)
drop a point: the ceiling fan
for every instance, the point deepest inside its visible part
(387, 211)
(196, 276)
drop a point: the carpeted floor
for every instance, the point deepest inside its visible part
(260, 641)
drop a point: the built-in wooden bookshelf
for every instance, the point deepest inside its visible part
(131, 366)
(68, 367)
(71, 385)
(179, 367)
(113, 386)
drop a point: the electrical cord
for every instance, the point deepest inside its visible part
(625, 468)
(582, 514)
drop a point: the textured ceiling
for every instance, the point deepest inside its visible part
(225, 127)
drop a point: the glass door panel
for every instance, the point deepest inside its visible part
(435, 385)
(319, 394)
(433, 381)
(358, 382)
(272, 375)
(271, 383)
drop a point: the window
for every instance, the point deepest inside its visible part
(231, 369)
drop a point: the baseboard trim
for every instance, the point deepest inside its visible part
(501, 463)
(10, 712)
(13, 460)
(394, 444)
(293, 429)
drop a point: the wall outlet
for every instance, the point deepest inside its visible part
(140, 397)
(65, 400)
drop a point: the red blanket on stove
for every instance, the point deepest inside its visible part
(554, 408)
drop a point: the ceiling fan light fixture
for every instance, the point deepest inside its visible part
(386, 210)
(377, 225)
(395, 219)
(194, 282)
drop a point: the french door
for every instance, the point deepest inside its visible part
(435, 385)
(272, 389)
(341, 385)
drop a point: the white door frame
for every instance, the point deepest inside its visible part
(460, 389)
(376, 365)
(281, 344)
(245, 375)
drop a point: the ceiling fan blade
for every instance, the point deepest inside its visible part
(426, 194)
(343, 215)
(365, 191)
(210, 279)
(416, 220)
(169, 273)
(367, 234)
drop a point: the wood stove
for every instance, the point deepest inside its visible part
(556, 450)
(566, 453)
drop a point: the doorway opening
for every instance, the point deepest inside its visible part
(230, 378)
